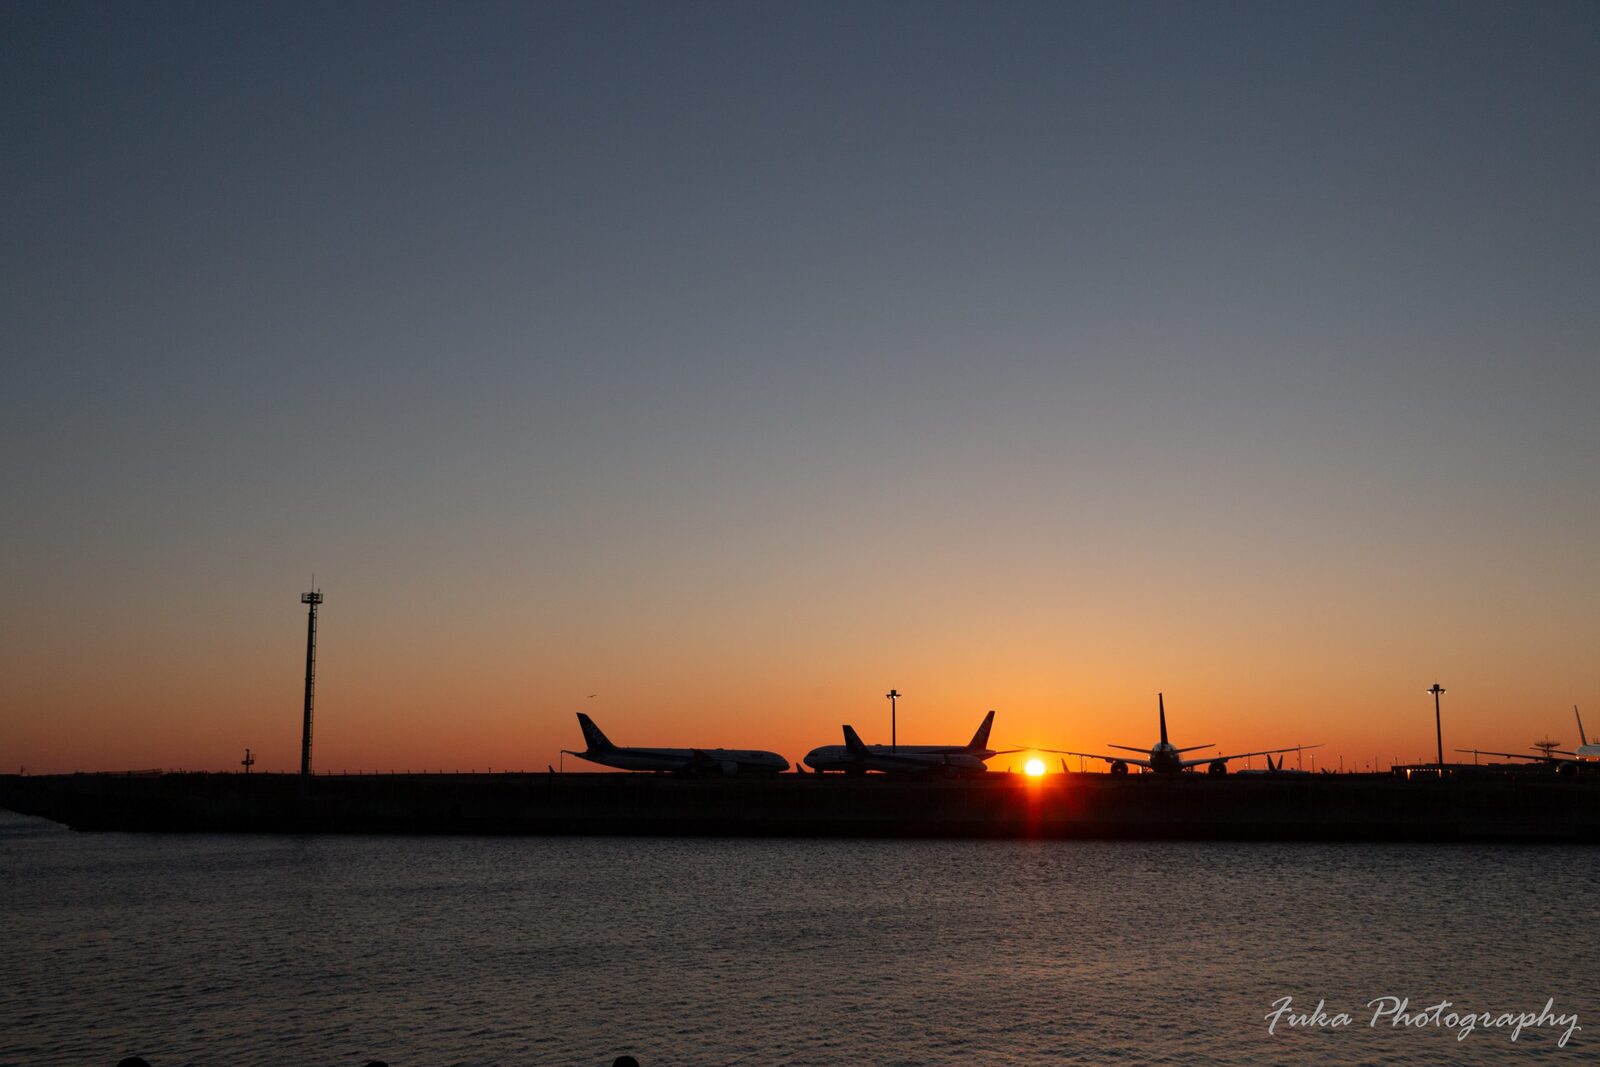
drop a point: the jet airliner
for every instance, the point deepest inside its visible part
(725, 761)
(1566, 761)
(1167, 759)
(853, 757)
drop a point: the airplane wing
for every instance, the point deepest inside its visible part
(1513, 755)
(909, 761)
(700, 759)
(1242, 755)
(1096, 755)
(925, 760)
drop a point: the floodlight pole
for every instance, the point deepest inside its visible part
(893, 695)
(311, 600)
(1438, 731)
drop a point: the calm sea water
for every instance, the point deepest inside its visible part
(336, 950)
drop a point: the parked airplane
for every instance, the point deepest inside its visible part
(1274, 768)
(853, 757)
(1566, 761)
(724, 761)
(1166, 759)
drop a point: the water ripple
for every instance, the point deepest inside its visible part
(200, 949)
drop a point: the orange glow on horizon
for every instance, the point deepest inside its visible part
(491, 682)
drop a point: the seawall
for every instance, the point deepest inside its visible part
(997, 805)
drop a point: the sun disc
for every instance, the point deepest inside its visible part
(1034, 768)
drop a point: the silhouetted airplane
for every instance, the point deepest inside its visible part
(1566, 761)
(725, 761)
(853, 757)
(1274, 768)
(1165, 759)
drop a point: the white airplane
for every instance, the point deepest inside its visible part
(725, 761)
(1587, 751)
(1165, 759)
(853, 757)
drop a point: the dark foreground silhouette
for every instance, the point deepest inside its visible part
(1527, 806)
(140, 1061)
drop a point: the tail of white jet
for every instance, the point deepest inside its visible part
(1587, 749)
(725, 761)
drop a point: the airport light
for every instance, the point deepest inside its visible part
(893, 695)
(1438, 731)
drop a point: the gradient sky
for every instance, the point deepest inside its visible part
(736, 362)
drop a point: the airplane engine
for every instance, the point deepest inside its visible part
(1567, 768)
(1218, 766)
(729, 768)
(1119, 768)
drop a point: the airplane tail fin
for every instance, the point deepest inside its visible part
(592, 736)
(852, 741)
(1583, 738)
(981, 738)
(1162, 704)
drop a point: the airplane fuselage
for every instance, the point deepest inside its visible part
(729, 762)
(1164, 759)
(900, 759)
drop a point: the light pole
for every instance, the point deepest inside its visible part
(893, 695)
(311, 600)
(1438, 731)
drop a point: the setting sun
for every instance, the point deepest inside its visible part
(1033, 768)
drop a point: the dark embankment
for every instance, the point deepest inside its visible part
(1190, 807)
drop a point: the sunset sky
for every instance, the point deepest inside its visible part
(713, 368)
